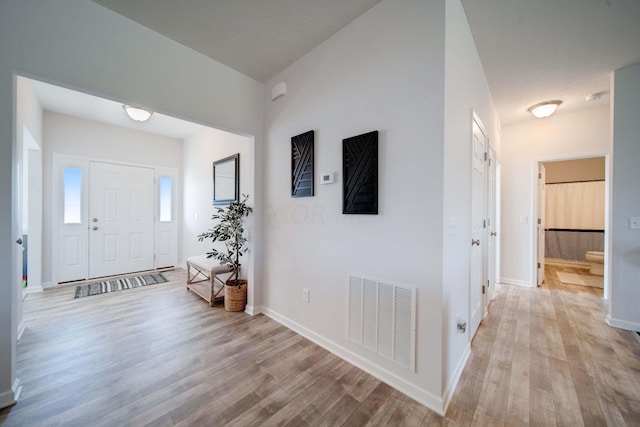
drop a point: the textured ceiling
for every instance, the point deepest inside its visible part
(537, 50)
(531, 50)
(259, 38)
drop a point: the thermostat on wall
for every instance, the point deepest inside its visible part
(327, 178)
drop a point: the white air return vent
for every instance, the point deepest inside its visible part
(382, 318)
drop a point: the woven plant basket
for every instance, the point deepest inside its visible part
(235, 297)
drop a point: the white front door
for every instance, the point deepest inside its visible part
(478, 223)
(541, 222)
(121, 219)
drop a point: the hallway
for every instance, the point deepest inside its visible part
(547, 357)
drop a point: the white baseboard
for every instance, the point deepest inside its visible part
(17, 389)
(622, 324)
(451, 387)
(47, 285)
(427, 399)
(509, 281)
(33, 289)
(10, 397)
(21, 327)
(253, 310)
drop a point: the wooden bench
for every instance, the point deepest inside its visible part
(203, 278)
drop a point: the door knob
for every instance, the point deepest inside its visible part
(475, 242)
(94, 228)
(19, 241)
(493, 233)
(95, 219)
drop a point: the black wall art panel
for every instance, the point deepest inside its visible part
(360, 174)
(302, 165)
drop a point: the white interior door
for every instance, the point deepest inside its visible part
(541, 222)
(121, 212)
(478, 227)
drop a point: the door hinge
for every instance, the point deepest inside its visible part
(539, 221)
(539, 175)
(483, 289)
(485, 155)
(538, 265)
(484, 223)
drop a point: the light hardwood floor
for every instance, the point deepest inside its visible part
(161, 356)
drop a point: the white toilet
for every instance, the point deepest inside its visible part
(596, 259)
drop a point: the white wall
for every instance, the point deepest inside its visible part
(466, 90)
(28, 145)
(199, 152)
(84, 46)
(97, 141)
(384, 72)
(625, 242)
(562, 136)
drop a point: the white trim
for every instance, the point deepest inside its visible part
(453, 384)
(10, 397)
(7, 399)
(622, 324)
(253, 310)
(517, 282)
(422, 396)
(607, 208)
(48, 285)
(32, 290)
(17, 389)
(21, 327)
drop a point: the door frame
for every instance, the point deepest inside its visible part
(60, 160)
(484, 255)
(607, 214)
(540, 223)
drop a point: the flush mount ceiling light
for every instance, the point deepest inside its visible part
(544, 109)
(137, 113)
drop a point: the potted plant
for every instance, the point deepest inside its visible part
(230, 230)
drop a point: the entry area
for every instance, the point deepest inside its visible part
(112, 219)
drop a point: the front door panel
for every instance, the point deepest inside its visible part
(121, 215)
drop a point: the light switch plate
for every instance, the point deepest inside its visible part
(634, 223)
(327, 178)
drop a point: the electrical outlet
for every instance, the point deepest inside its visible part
(305, 295)
(634, 223)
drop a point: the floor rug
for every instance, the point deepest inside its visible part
(581, 279)
(118, 285)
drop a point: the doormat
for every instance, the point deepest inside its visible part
(118, 285)
(581, 279)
